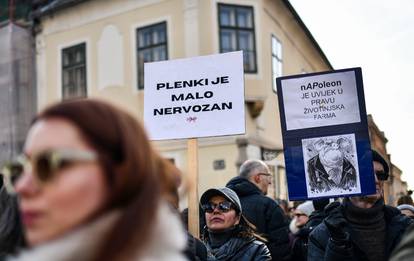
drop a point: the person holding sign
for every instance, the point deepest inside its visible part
(228, 234)
(361, 228)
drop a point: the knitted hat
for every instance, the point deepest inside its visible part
(306, 208)
(406, 207)
(378, 158)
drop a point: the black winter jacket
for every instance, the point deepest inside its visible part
(238, 248)
(11, 231)
(299, 241)
(321, 247)
(315, 219)
(195, 249)
(265, 214)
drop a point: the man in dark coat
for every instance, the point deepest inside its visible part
(251, 186)
(361, 228)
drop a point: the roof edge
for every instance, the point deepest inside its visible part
(54, 6)
(307, 32)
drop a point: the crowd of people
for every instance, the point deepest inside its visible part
(83, 190)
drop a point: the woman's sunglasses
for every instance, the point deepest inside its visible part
(43, 165)
(224, 206)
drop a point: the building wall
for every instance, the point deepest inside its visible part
(399, 186)
(394, 187)
(192, 29)
(85, 23)
(17, 88)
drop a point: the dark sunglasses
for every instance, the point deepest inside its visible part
(224, 206)
(299, 215)
(43, 165)
(381, 175)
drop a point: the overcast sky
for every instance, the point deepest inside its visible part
(377, 35)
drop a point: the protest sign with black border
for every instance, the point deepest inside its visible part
(191, 98)
(325, 134)
(195, 97)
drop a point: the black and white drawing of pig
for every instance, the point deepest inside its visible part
(330, 168)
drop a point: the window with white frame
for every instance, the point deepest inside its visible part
(74, 71)
(151, 47)
(277, 62)
(237, 33)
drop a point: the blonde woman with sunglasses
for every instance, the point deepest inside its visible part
(91, 188)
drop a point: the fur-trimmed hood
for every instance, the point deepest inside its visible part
(167, 242)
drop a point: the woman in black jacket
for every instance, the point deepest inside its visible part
(11, 231)
(228, 235)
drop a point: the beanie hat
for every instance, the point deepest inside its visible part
(406, 207)
(229, 194)
(306, 208)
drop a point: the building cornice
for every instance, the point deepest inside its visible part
(48, 7)
(373, 126)
(307, 32)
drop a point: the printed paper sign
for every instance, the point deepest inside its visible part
(195, 97)
(325, 135)
(331, 165)
(320, 100)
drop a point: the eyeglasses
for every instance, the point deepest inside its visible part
(224, 206)
(298, 215)
(44, 165)
(381, 175)
(265, 174)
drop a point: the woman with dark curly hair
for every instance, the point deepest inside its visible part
(228, 234)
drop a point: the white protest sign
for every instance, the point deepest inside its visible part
(320, 100)
(195, 97)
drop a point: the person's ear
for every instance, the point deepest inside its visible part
(238, 219)
(256, 179)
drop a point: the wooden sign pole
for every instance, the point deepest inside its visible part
(193, 204)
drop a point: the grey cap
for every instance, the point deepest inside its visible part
(229, 194)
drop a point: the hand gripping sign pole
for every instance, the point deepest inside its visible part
(193, 209)
(191, 98)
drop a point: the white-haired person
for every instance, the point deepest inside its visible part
(407, 210)
(298, 232)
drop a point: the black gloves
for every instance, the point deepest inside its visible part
(335, 222)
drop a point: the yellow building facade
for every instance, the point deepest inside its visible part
(101, 46)
(395, 186)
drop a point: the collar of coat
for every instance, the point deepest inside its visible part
(167, 242)
(233, 246)
(243, 187)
